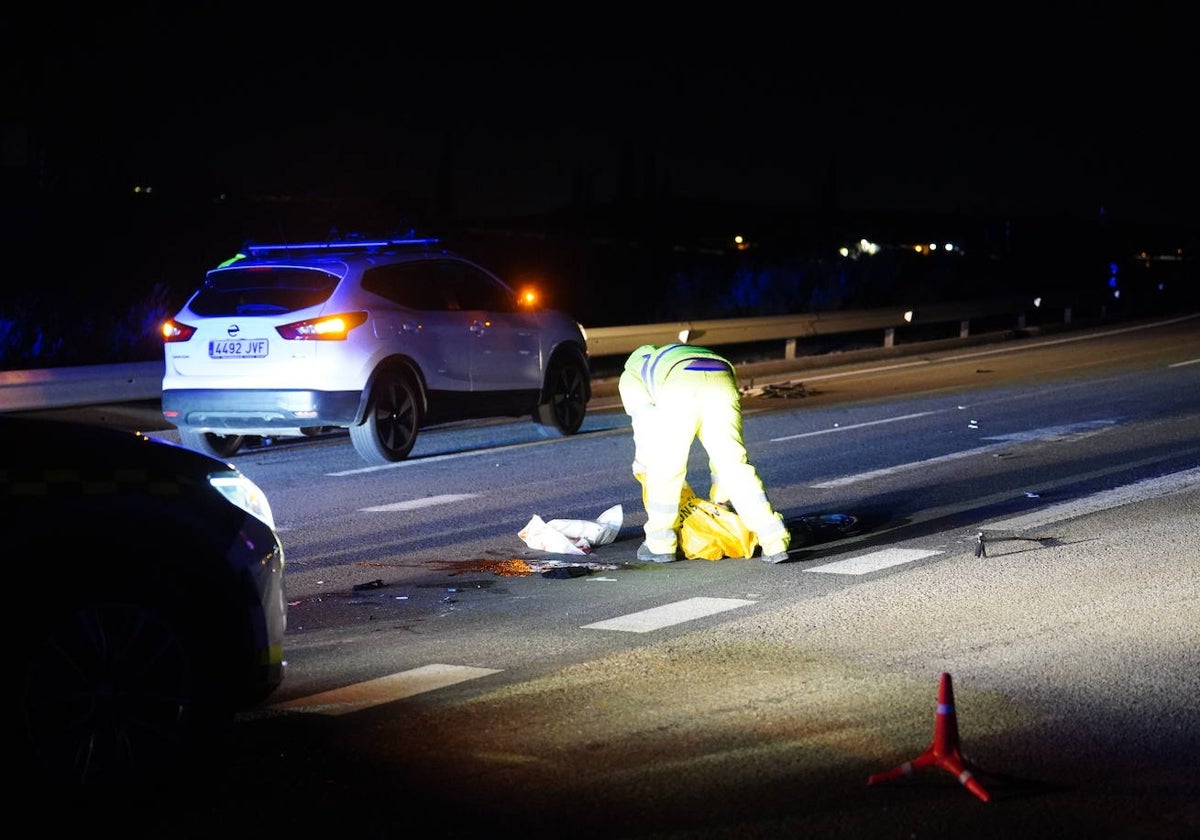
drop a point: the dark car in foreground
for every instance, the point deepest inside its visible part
(151, 584)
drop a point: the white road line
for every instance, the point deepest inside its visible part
(364, 695)
(854, 426)
(912, 465)
(417, 504)
(1138, 491)
(1055, 433)
(874, 561)
(420, 460)
(668, 615)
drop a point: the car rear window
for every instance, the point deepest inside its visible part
(262, 290)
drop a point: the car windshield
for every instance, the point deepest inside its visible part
(262, 290)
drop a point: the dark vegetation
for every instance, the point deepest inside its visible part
(91, 283)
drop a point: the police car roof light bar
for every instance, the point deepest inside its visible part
(342, 245)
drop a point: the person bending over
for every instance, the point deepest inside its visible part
(674, 394)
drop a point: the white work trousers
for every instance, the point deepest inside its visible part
(693, 404)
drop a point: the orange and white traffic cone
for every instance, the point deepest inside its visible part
(944, 751)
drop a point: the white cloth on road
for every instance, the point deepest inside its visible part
(573, 536)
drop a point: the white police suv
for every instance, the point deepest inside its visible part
(381, 337)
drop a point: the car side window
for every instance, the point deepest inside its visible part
(413, 285)
(475, 288)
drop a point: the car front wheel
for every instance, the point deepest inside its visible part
(389, 430)
(110, 694)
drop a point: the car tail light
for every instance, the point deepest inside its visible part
(172, 330)
(326, 328)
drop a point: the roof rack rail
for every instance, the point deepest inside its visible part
(339, 245)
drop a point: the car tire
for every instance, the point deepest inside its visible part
(219, 446)
(564, 398)
(392, 420)
(111, 694)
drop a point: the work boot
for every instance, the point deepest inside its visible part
(774, 558)
(646, 555)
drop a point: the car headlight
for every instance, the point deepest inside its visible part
(244, 493)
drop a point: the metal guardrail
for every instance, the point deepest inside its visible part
(614, 341)
(66, 387)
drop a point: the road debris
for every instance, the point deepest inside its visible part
(776, 390)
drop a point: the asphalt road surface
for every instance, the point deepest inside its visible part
(736, 699)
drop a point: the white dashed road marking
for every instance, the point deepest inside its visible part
(874, 561)
(417, 504)
(364, 695)
(941, 459)
(852, 426)
(665, 616)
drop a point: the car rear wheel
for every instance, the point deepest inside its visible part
(564, 398)
(389, 430)
(219, 446)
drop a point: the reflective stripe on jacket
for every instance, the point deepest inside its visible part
(654, 364)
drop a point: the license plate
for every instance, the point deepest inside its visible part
(238, 348)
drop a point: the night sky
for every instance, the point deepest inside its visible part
(1037, 109)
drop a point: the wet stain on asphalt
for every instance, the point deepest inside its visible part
(518, 567)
